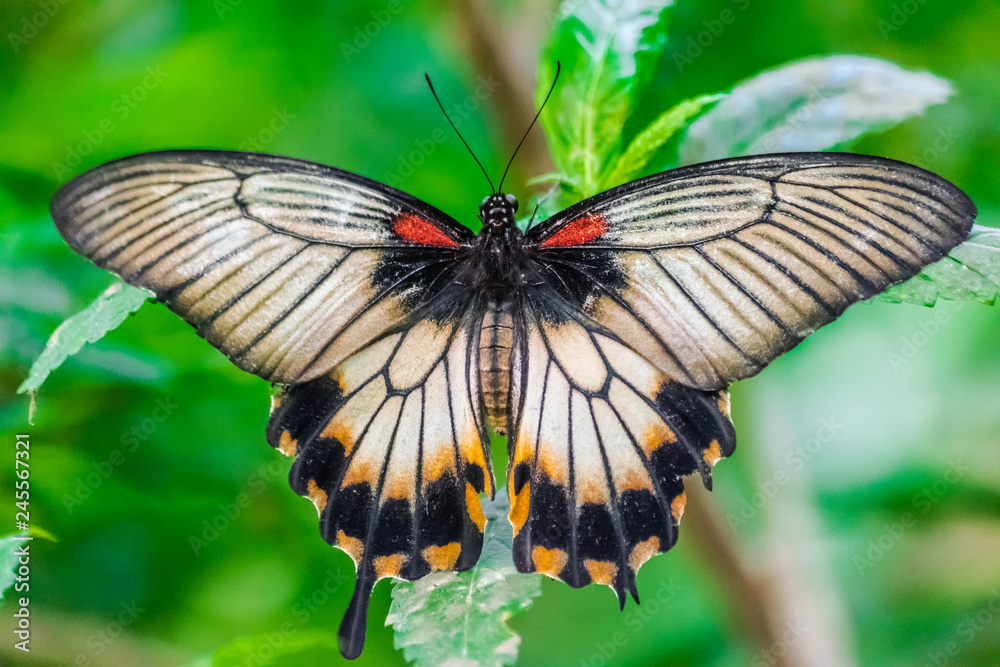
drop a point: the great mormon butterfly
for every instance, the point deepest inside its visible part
(601, 340)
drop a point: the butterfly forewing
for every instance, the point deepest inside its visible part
(286, 266)
(712, 271)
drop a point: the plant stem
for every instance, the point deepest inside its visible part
(750, 596)
(493, 56)
(755, 601)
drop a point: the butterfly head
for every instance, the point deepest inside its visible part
(497, 211)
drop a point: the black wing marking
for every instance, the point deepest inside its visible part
(712, 271)
(286, 266)
(601, 443)
(388, 446)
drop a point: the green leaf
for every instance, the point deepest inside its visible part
(89, 325)
(609, 50)
(810, 105)
(970, 271)
(449, 618)
(9, 544)
(284, 648)
(650, 140)
(563, 193)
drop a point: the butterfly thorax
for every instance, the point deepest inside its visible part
(499, 270)
(498, 246)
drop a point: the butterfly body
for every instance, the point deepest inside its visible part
(494, 272)
(496, 342)
(601, 341)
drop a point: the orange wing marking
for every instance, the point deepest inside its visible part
(420, 230)
(583, 229)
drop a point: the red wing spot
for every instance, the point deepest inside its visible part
(420, 230)
(584, 229)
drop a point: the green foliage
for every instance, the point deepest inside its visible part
(609, 51)
(9, 544)
(88, 326)
(646, 144)
(282, 649)
(810, 105)
(462, 617)
(970, 271)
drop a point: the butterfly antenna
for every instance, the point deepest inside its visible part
(535, 120)
(438, 100)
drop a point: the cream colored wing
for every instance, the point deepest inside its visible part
(714, 270)
(390, 447)
(601, 443)
(286, 266)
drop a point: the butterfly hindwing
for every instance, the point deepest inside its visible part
(286, 266)
(388, 447)
(602, 440)
(714, 270)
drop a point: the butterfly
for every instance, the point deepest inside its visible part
(601, 341)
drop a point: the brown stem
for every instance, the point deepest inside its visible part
(751, 600)
(494, 56)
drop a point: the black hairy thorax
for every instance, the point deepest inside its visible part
(500, 263)
(499, 258)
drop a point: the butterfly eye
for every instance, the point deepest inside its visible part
(512, 200)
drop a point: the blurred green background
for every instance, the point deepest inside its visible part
(864, 497)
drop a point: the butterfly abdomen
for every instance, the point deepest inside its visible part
(496, 339)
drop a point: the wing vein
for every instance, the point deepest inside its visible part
(694, 302)
(742, 288)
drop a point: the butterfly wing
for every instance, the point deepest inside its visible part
(602, 440)
(286, 266)
(389, 446)
(345, 290)
(643, 303)
(714, 270)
